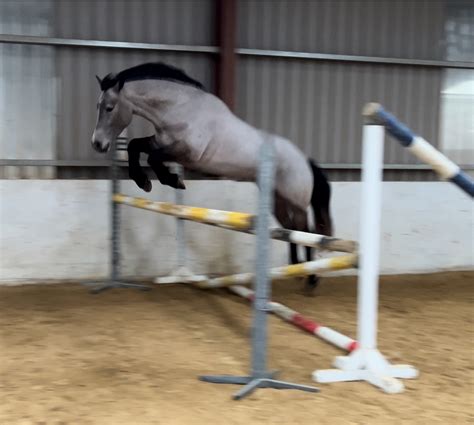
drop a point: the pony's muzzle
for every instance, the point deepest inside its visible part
(100, 146)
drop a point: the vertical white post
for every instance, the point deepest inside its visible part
(370, 214)
(366, 363)
(179, 199)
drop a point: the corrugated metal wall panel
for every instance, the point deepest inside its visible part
(27, 89)
(386, 28)
(167, 22)
(159, 21)
(70, 112)
(26, 17)
(459, 28)
(318, 105)
(76, 69)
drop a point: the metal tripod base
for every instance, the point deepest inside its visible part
(370, 366)
(118, 284)
(251, 383)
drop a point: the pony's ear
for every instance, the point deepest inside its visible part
(110, 81)
(99, 80)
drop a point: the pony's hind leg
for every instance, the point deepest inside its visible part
(294, 218)
(283, 216)
(300, 218)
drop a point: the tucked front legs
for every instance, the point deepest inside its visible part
(156, 157)
(155, 160)
(135, 170)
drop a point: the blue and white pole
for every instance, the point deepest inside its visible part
(423, 150)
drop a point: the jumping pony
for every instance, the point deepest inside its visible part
(196, 129)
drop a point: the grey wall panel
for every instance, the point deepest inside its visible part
(318, 105)
(79, 91)
(147, 21)
(457, 115)
(28, 89)
(26, 17)
(387, 28)
(459, 28)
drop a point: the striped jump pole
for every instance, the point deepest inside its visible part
(236, 220)
(419, 147)
(285, 272)
(366, 363)
(313, 240)
(308, 325)
(242, 222)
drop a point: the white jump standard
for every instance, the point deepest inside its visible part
(366, 363)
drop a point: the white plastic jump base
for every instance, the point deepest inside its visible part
(370, 366)
(180, 275)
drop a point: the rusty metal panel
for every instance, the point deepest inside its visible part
(318, 105)
(76, 69)
(384, 28)
(188, 22)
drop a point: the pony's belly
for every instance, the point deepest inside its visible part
(229, 170)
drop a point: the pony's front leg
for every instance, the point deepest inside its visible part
(165, 176)
(135, 170)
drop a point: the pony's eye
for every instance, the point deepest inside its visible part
(109, 108)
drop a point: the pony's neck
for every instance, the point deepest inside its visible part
(153, 99)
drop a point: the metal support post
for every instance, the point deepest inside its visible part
(115, 280)
(260, 377)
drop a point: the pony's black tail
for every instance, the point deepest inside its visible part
(320, 200)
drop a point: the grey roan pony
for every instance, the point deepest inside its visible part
(196, 129)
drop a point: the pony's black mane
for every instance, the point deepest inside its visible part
(148, 71)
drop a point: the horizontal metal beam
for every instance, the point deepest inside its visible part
(72, 42)
(53, 163)
(353, 58)
(401, 167)
(106, 163)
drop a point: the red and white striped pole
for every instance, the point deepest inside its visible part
(291, 316)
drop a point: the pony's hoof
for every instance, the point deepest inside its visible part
(176, 182)
(147, 186)
(141, 180)
(180, 184)
(310, 285)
